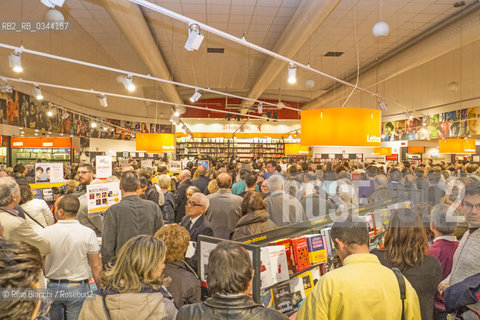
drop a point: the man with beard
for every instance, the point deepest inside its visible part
(94, 221)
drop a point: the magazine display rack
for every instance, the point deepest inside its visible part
(281, 285)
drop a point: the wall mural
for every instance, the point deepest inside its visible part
(453, 124)
(19, 109)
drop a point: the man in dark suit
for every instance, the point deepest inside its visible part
(201, 182)
(180, 194)
(195, 222)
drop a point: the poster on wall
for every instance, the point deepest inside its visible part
(48, 172)
(103, 196)
(146, 164)
(175, 166)
(104, 166)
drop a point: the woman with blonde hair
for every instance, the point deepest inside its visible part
(133, 288)
(406, 247)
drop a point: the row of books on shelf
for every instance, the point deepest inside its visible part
(291, 267)
(221, 139)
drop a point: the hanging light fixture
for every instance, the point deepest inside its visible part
(194, 98)
(260, 108)
(15, 61)
(128, 83)
(102, 99)
(37, 92)
(195, 38)
(292, 73)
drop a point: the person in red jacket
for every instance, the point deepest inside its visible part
(443, 248)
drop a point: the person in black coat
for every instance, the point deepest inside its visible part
(180, 194)
(185, 285)
(406, 246)
(230, 299)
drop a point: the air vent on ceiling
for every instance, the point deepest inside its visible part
(215, 50)
(333, 54)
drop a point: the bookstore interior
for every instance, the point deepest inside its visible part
(314, 86)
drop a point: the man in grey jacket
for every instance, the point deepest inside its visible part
(130, 217)
(225, 208)
(283, 208)
(466, 261)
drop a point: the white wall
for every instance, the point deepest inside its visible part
(106, 145)
(366, 151)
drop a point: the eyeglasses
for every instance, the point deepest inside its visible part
(82, 172)
(191, 203)
(469, 206)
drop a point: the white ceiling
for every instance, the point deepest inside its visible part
(95, 37)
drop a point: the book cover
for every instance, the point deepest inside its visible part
(328, 241)
(300, 253)
(288, 250)
(297, 290)
(266, 299)
(316, 248)
(274, 266)
(307, 282)
(370, 220)
(316, 274)
(282, 298)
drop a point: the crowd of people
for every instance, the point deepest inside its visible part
(146, 265)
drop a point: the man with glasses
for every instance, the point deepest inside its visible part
(466, 261)
(194, 221)
(94, 221)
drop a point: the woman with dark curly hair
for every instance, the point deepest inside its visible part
(406, 246)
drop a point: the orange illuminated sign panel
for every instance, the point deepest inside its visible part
(155, 142)
(416, 149)
(41, 143)
(457, 146)
(341, 127)
(382, 151)
(296, 148)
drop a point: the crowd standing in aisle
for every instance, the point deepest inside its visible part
(232, 200)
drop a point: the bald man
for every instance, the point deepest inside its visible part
(225, 208)
(180, 194)
(381, 191)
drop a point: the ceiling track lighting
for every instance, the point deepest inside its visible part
(195, 38)
(52, 3)
(102, 99)
(194, 98)
(37, 93)
(128, 83)
(93, 124)
(15, 61)
(292, 73)
(382, 106)
(260, 108)
(175, 112)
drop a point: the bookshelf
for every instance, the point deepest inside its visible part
(255, 245)
(225, 148)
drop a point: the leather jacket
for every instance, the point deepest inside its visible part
(220, 307)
